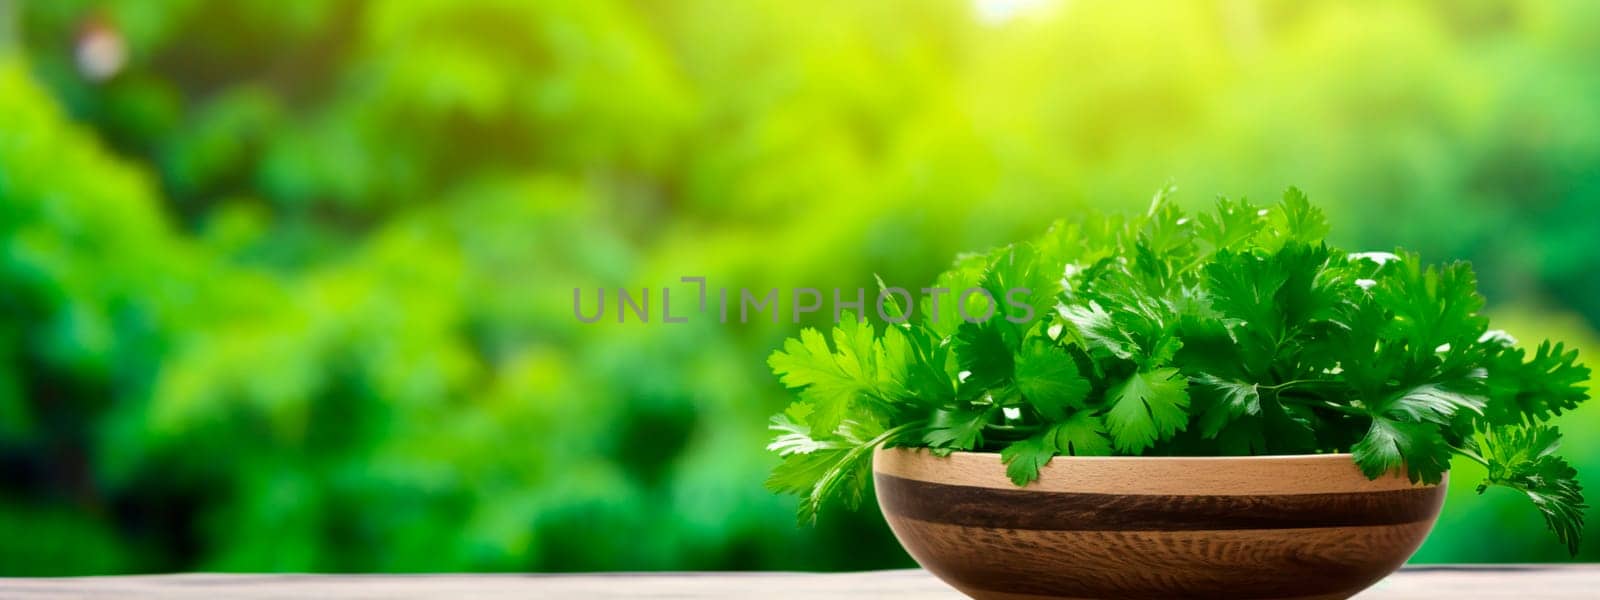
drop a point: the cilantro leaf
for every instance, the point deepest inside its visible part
(984, 355)
(1049, 380)
(1432, 403)
(1430, 306)
(1023, 289)
(1547, 383)
(1142, 326)
(1522, 458)
(1225, 401)
(836, 381)
(818, 468)
(795, 438)
(1243, 437)
(1024, 458)
(1408, 431)
(917, 356)
(1099, 330)
(1232, 226)
(942, 308)
(1233, 332)
(951, 429)
(1146, 407)
(1290, 428)
(1296, 220)
(1083, 434)
(1166, 232)
(1391, 446)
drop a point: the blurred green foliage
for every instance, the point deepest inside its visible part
(284, 285)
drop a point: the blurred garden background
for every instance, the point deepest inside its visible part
(285, 285)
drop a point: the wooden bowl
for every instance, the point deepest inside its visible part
(1154, 527)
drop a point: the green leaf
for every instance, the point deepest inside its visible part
(819, 476)
(1023, 289)
(1070, 245)
(1244, 437)
(1147, 407)
(1141, 326)
(1166, 233)
(1547, 383)
(795, 438)
(1237, 332)
(1430, 306)
(820, 468)
(1099, 330)
(1296, 220)
(891, 365)
(927, 376)
(1024, 458)
(1272, 303)
(1083, 434)
(891, 304)
(985, 355)
(1430, 403)
(1523, 458)
(1231, 226)
(1417, 449)
(854, 378)
(1208, 346)
(956, 429)
(942, 309)
(1244, 287)
(1049, 379)
(1289, 428)
(1408, 432)
(1225, 401)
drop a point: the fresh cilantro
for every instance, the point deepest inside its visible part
(1049, 380)
(1540, 386)
(1025, 457)
(1083, 434)
(1523, 458)
(1226, 401)
(1416, 449)
(1296, 220)
(820, 468)
(1238, 331)
(949, 430)
(985, 356)
(1233, 225)
(1146, 407)
(857, 376)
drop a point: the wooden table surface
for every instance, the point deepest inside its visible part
(1419, 583)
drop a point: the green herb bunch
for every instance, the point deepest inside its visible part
(1234, 332)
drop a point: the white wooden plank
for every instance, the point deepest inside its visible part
(1442, 583)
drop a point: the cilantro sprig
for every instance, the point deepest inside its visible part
(1235, 332)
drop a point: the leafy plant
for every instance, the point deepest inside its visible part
(1235, 332)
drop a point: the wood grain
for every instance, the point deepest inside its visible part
(1332, 562)
(1018, 508)
(1105, 531)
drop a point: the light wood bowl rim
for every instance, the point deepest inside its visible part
(1258, 457)
(1333, 473)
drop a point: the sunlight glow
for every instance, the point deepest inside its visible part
(995, 12)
